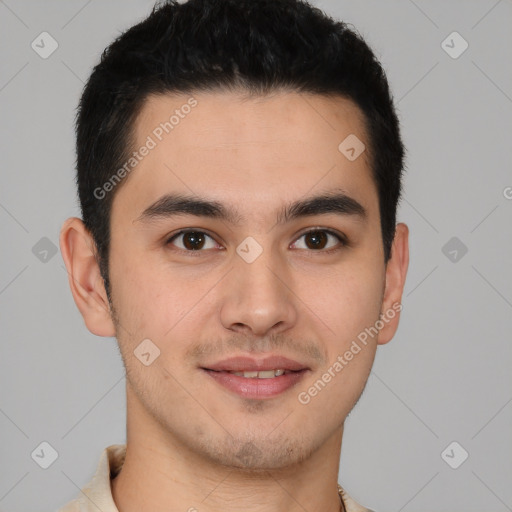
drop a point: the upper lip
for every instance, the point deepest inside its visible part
(253, 364)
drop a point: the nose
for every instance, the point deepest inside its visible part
(259, 299)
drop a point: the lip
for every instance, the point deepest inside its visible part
(250, 364)
(254, 388)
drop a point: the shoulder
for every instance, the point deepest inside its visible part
(350, 504)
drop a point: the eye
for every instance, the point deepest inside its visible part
(192, 240)
(318, 240)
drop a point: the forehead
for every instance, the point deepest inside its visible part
(261, 148)
(220, 118)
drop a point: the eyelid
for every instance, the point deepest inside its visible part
(332, 232)
(342, 239)
(184, 231)
(340, 236)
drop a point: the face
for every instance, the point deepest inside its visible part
(252, 309)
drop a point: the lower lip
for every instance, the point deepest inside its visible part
(255, 388)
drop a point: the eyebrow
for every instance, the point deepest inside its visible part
(334, 202)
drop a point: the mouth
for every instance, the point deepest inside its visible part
(257, 378)
(265, 374)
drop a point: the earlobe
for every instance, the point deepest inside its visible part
(396, 272)
(85, 281)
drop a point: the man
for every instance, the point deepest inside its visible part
(238, 168)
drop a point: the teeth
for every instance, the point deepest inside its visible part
(267, 374)
(270, 374)
(249, 374)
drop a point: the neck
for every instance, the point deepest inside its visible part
(160, 473)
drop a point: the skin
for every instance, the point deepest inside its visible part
(192, 443)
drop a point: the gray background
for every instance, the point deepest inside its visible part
(444, 377)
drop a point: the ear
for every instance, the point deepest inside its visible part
(396, 271)
(78, 251)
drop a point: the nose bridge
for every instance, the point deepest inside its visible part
(258, 276)
(259, 299)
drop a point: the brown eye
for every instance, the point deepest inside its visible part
(316, 239)
(319, 239)
(192, 240)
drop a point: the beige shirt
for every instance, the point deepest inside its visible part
(97, 494)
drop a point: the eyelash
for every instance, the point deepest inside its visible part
(341, 238)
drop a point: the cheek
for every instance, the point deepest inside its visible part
(348, 306)
(147, 304)
(353, 302)
(166, 306)
(346, 300)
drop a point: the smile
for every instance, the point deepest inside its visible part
(267, 374)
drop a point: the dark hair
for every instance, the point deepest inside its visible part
(259, 46)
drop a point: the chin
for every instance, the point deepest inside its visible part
(257, 454)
